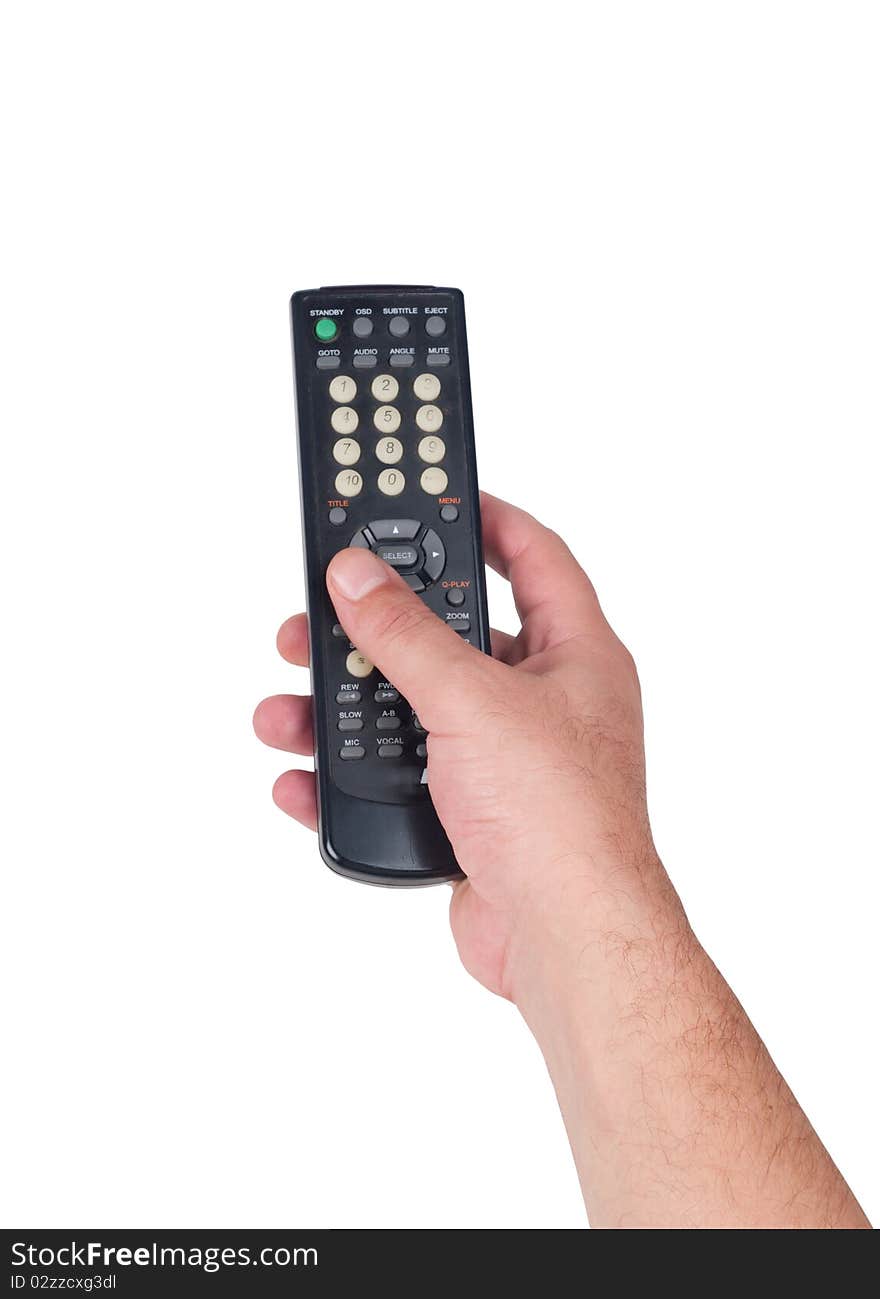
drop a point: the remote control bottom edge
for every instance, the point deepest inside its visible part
(384, 844)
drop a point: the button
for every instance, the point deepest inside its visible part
(351, 696)
(390, 750)
(387, 419)
(432, 450)
(350, 724)
(418, 725)
(389, 451)
(427, 387)
(339, 631)
(459, 622)
(421, 750)
(344, 420)
(398, 556)
(388, 723)
(326, 329)
(429, 419)
(337, 515)
(386, 695)
(449, 513)
(438, 358)
(435, 326)
(435, 555)
(361, 540)
(455, 595)
(433, 480)
(349, 482)
(385, 387)
(330, 362)
(405, 529)
(358, 666)
(399, 359)
(398, 326)
(391, 482)
(352, 751)
(414, 581)
(362, 327)
(364, 360)
(342, 388)
(346, 452)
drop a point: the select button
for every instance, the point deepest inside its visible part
(397, 555)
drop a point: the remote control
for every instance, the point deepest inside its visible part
(386, 460)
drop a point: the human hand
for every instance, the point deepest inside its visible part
(535, 756)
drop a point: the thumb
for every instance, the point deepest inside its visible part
(426, 660)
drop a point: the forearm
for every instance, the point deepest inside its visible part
(676, 1114)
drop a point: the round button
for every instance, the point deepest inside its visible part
(435, 326)
(349, 482)
(398, 326)
(389, 451)
(384, 387)
(432, 450)
(429, 418)
(346, 451)
(427, 387)
(391, 482)
(455, 596)
(362, 327)
(387, 419)
(342, 388)
(449, 513)
(337, 516)
(434, 481)
(358, 666)
(326, 329)
(344, 419)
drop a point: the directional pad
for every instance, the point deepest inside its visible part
(407, 545)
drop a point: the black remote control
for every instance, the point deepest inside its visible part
(386, 459)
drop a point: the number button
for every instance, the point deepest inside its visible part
(391, 482)
(387, 419)
(429, 418)
(434, 481)
(385, 387)
(342, 388)
(346, 452)
(344, 419)
(389, 451)
(427, 387)
(349, 482)
(432, 450)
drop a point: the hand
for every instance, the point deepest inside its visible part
(676, 1114)
(535, 756)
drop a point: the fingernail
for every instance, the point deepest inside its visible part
(355, 573)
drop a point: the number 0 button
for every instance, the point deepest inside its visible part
(432, 450)
(387, 419)
(434, 481)
(391, 482)
(427, 387)
(349, 482)
(385, 387)
(429, 418)
(342, 388)
(346, 452)
(344, 419)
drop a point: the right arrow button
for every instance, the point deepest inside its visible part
(435, 555)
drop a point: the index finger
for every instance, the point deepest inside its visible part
(554, 597)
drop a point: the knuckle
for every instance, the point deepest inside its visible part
(403, 623)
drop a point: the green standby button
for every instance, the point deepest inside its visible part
(325, 329)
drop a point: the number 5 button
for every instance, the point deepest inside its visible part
(387, 419)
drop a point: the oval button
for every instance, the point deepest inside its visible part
(398, 556)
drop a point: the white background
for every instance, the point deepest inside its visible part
(664, 219)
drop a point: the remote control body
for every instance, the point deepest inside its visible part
(386, 459)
